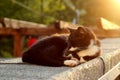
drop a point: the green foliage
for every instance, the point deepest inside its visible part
(47, 11)
(40, 11)
(5, 54)
(6, 47)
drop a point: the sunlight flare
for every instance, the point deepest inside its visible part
(118, 1)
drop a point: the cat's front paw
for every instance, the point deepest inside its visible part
(71, 63)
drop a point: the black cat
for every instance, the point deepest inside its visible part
(56, 50)
(83, 44)
(48, 51)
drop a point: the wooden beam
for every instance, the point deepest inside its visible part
(107, 25)
(19, 33)
(30, 31)
(107, 28)
(17, 24)
(17, 45)
(38, 31)
(65, 25)
(7, 31)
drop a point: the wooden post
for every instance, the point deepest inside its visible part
(17, 45)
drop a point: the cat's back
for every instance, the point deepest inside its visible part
(45, 48)
(46, 42)
(50, 40)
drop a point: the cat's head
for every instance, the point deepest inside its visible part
(83, 44)
(80, 37)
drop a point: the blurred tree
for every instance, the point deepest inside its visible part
(83, 12)
(109, 9)
(79, 11)
(40, 11)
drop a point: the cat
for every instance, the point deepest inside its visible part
(63, 50)
(83, 44)
(48, 51)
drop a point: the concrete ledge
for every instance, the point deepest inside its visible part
(111, 59)
(91, 70)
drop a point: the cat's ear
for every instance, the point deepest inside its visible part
(81, 30)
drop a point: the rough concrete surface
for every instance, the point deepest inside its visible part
(111, 52)
(28, 72)
(110, 44)
(91, 70)
(111, 59)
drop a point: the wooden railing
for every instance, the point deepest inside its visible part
(18, 29)
(18, 35)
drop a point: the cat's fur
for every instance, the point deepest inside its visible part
(84, 42)
(54, 50)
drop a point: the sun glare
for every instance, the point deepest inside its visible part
(118, 1)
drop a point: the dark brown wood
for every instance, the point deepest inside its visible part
(7, 31)
(38, 31)
(2, 22)
(17, 45)
(30, 31)
(19, 33)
